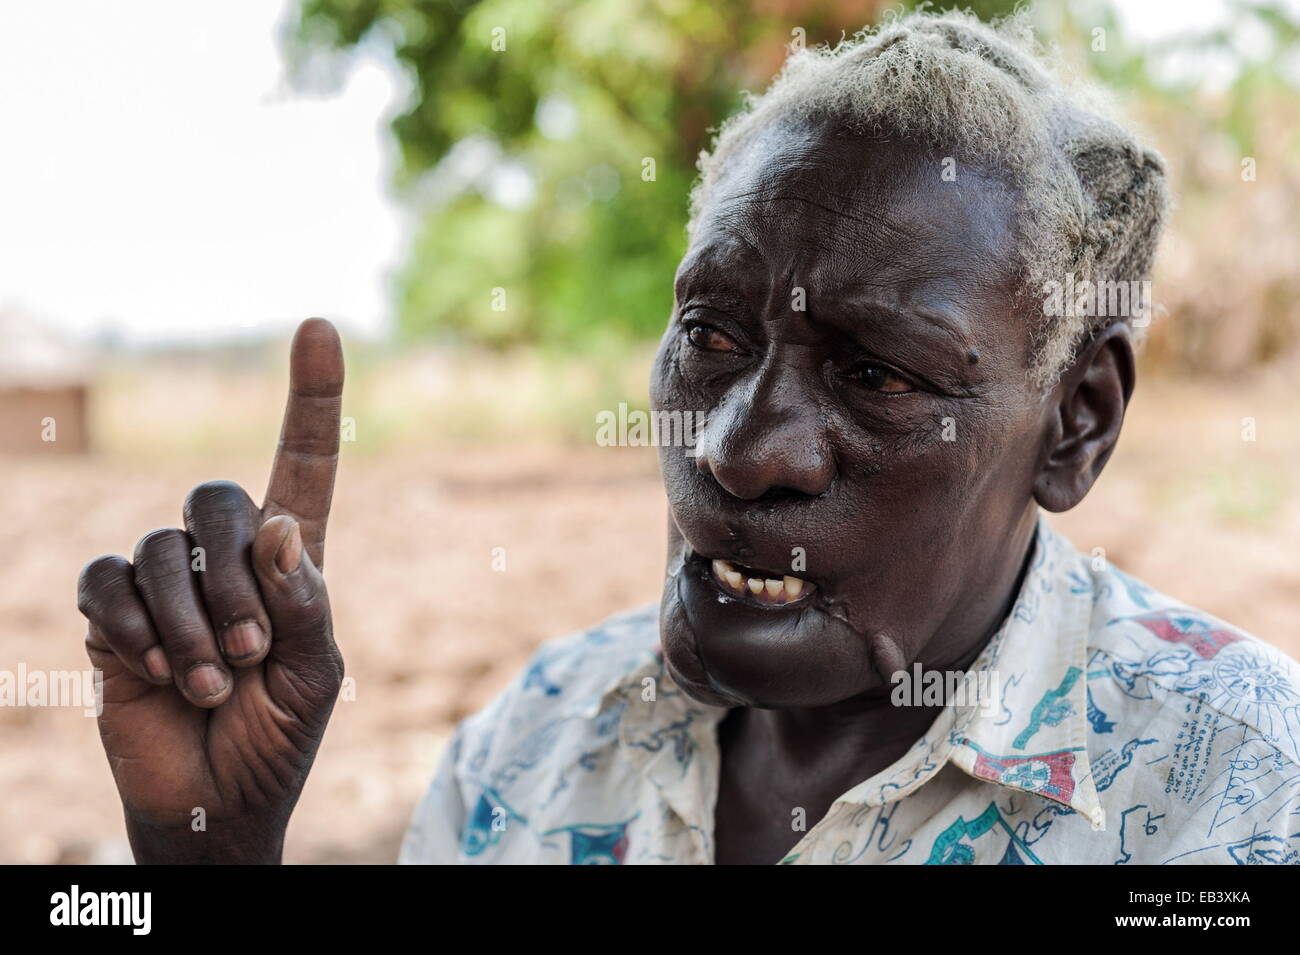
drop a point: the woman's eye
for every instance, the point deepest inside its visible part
(709, 338)
(877, 377)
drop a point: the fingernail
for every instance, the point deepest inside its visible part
(289, 556)
(206, 681)
(242, 640)
(155, 664)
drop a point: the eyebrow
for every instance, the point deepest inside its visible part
(697, 283)
(953, 325)
(931, 342)
(714, 297)
(925, 337)
(850, 298)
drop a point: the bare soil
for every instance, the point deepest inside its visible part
(431, 631)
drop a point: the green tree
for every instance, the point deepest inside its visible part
(549, 147)
(530, 123)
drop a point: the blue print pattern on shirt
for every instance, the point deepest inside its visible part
(1129, 729)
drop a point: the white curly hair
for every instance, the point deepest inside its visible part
(1092, 201)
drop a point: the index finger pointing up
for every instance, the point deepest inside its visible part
(302, 477)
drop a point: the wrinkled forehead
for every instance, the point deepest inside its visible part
(839, 206)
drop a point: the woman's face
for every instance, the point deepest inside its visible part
(845, 326)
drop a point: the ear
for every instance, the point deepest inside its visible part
(1086, 413)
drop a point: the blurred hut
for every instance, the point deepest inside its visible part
(44, 386)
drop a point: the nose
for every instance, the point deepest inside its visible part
(768, 440)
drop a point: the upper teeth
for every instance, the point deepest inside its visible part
(765, 589)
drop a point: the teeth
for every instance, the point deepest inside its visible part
(767, 590)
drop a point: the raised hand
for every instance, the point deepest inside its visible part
(220, 668)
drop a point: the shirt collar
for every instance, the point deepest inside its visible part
(1034, 740)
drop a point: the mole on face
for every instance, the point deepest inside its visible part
(861, 471)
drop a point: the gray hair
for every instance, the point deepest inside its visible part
(1092, 201)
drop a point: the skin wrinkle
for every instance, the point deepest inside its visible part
(243, 753)
(1092, 201)
(687, 675)
(775, 327)
(896, 230)
(914, 544)
(872, 219)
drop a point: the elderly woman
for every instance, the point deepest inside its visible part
(871, 646)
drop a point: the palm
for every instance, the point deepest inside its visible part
(222, 732)
(212, 757)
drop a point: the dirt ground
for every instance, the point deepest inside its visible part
(430, 631)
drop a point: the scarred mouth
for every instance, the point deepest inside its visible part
(755, 586)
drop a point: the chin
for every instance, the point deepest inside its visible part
(729, 645)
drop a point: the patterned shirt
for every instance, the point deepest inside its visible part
(1128, 729)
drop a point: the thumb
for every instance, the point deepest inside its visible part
(296, 601)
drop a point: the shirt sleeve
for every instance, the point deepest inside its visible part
(434, 835)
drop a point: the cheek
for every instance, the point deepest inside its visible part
(988, 462)
(922, 521)
(953, 453)
(661, 386)
(687, 379)
(668, 393)
(669, 388)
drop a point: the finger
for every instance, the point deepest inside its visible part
(166, 583)
(302, 476)
(295, 597)
(119, 622)
(104, 659)
(223, 521)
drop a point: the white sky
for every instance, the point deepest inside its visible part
(157, 178)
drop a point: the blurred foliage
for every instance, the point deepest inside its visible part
(523, 145)
(582, 94)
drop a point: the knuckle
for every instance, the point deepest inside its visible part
(162, 561)
(215, 498)
(160, 542)
(229, 607)
(96, 645)
(191, 638)
(97, 578)
(229, 587)
(234, 592)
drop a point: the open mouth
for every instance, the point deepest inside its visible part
(755, 586)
